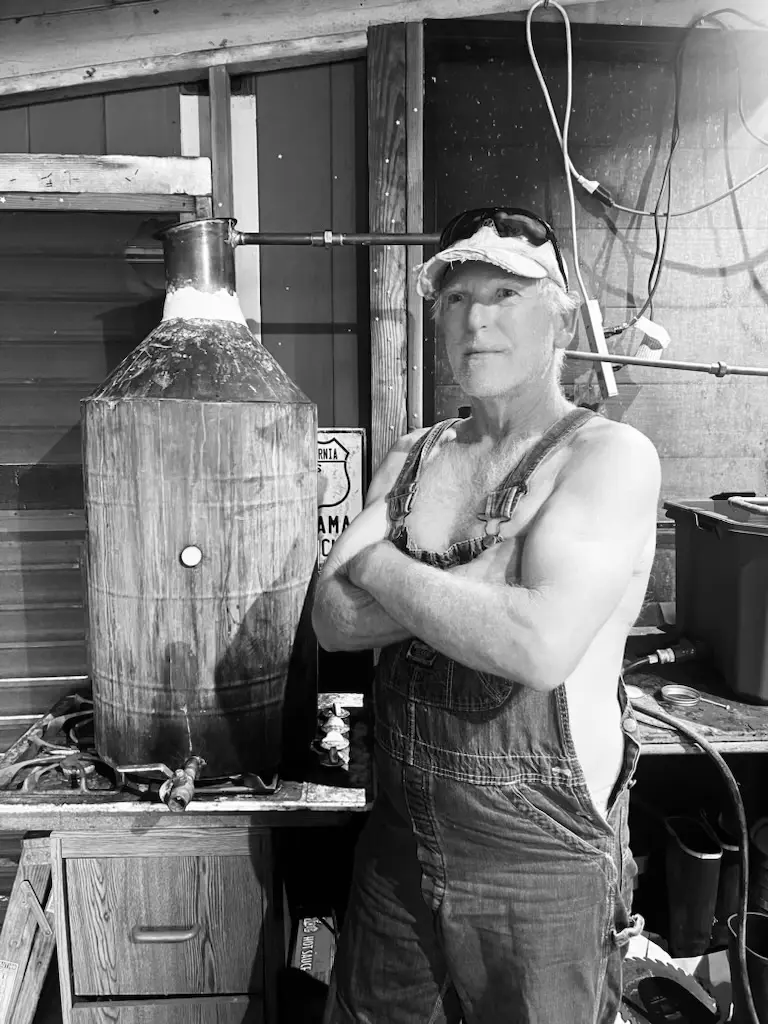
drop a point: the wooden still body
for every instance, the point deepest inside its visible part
(200, 439)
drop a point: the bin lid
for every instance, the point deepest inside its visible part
(718, 515)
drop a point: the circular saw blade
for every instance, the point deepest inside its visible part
(638, 967)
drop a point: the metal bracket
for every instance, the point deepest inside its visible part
(31, 902)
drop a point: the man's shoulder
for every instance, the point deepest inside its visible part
(610, 450)
(391, 465)
(404, 444)
(602, 436)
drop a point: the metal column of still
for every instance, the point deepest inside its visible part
(201, 500)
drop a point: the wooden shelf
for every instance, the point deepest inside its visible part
(106, 184)
(295, 803)
(742, 730)
(93, 202)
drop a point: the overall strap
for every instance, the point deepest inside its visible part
(400, 498)
(501, 503)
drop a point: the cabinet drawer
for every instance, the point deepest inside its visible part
(154, 926)
(169, 1013)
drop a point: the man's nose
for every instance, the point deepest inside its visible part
(477, 318)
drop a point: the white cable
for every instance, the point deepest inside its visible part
(586, 183)
(562, 137)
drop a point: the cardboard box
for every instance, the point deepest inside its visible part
(314, 947)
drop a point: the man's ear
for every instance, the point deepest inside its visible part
(570, 319)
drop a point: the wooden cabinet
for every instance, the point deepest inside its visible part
(147, 926)
(179, 925)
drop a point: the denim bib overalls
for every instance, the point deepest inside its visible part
(487, 886)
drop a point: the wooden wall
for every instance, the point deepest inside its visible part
(491, 142)
(312, 176)
(72, 307)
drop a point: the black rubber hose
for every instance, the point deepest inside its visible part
(733, 788)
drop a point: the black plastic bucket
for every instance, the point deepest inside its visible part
(757, 966)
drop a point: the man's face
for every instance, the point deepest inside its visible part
(500, 331)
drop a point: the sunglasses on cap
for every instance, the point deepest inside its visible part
(509, 222)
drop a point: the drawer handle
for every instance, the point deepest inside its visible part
(164, 934)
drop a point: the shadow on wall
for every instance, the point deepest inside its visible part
(270, 711)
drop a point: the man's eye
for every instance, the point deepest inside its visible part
(452, 298)
(507, 293)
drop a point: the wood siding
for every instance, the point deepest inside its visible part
(71, 307)
(312, 177)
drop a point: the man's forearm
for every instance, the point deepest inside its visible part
(346, 618)
(494, 628)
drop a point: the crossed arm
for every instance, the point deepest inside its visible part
(345, 616)
(578, 558)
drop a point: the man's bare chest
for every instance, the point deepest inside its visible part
(452, 492)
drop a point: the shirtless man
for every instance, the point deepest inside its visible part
(499, 562)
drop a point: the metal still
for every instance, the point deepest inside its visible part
(200, 479)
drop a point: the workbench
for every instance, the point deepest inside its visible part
(741, 730)
(157, 917)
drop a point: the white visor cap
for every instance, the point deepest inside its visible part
(514, 254)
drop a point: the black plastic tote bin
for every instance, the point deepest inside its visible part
(721, 556)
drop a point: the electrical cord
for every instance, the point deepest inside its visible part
(594, 187)
(562, 137)
(598, 190)
(605, 196)
(654, 275)
(714, 16)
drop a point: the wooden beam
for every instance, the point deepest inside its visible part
(112, 175)
(220, 96)
(387, 176)
(175, 40)
(245, 185)
(94, 202)
(414, 217)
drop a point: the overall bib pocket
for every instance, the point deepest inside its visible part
(425, 676)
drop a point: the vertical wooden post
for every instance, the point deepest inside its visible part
(221, 141)
(245, 198)
(414, 150)
(195, 139)
(387, 173)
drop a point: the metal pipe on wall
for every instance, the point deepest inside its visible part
(328, 239)
(717, 369)
(332, 238)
